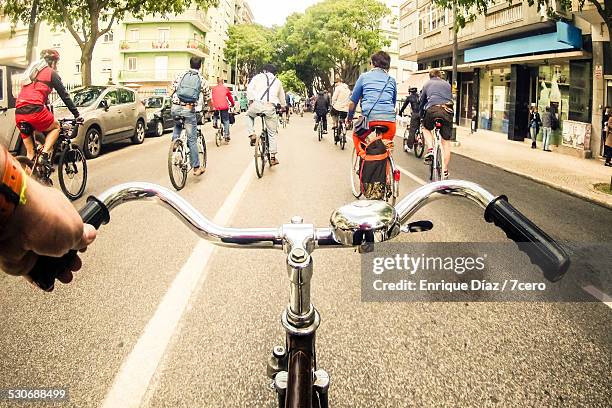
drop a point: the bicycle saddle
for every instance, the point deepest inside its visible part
(26, 128)
(365, 221)
(261, 114)
(380, 128)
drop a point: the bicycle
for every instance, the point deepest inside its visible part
(262, 148)
(72, 164)
(320, 130)
(436, 164)
(293, 367)
(418, 147)
(393, 174)
(179, 161)
(340, 134)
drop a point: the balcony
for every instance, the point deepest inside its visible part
(164, 76)
(198, 18)
(504, 17)
(195, 47)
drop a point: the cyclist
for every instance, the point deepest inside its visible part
(436, 103)
(415, 118)
(341, 99)
(265, 92)
(41, 78)
(321, 108)
(188, 89)
(222, 99)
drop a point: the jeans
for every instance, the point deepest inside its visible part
(533, 131)
(271, 119)
(546, 133)
(191, 124)
(224, 119)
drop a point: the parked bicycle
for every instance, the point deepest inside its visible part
(340, 134)
(418, 147)
(393, 174)
(436, 162)
(293, 367)
(72, 164)
(179, 162)
(262, 149)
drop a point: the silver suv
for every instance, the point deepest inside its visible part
(110, 113)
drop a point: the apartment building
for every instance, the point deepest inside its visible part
(509, 59)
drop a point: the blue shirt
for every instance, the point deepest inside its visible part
(368, 87)
(436, 91)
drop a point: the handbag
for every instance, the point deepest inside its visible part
(362, 125)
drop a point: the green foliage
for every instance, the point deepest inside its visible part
(253, 44)
(291, 82)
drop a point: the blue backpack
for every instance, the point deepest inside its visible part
(189, 88)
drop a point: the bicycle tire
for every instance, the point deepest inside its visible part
(68, 168)
(179, 179)
(218, 137)
(436, 165)
(202, 154)
(355, 180)
(320, 131)
(419, 146)
(260, 157)
(392, 186)
(405, 140)
(343, 139)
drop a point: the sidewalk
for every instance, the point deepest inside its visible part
(572, 175)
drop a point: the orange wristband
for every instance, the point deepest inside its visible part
(12, 188)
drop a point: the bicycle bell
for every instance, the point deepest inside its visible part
(365, 221)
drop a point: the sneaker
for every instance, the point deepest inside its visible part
(253, 139)
(316, 126)
(445, 175)
(273, 161)
(198, 171)
(533, 145)
(428, 157)
(227, 139)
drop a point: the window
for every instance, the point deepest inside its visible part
(163, 34)
(111, 98)
(108, 37)
(56, 42)
(132, 64)
(134, 35)
(77, 67)
(1, 84)
(126, 96)
(107, 65)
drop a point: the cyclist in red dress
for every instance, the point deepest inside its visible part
(32, 112)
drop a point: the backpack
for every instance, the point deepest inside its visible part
(189, 88)
(374, 168)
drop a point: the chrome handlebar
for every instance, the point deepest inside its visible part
(361, 223)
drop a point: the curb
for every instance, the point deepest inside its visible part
(572, 192)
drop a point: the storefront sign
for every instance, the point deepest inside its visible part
(598, 71)
(499, 98)
(576, 134)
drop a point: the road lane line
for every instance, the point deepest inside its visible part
(137, 370)
(599, 295)
(411, 176)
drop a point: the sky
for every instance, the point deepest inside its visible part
(271, 12)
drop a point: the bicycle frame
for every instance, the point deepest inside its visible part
(437, 147)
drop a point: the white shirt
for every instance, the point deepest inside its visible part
(258, 85)
(341, 98)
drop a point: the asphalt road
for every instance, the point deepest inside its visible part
(84, 336)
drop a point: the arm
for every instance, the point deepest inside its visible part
(281, 94)
(404, 106)
(251, 89)
(57, 84)
(335, 96)
(45, 210)
(355, 97)
(230, 98)
(422, 103)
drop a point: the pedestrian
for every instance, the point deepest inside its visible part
(608, 142)
(547, 123)
(534, 124)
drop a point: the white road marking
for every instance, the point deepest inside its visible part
(599, 295)
(139, 367)
(411, 176)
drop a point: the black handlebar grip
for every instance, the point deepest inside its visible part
(45, 270)
(542, 250)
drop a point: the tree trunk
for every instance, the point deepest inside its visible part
(86, 56)
(31, 32)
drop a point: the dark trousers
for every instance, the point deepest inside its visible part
(415, 122)
(322, 117)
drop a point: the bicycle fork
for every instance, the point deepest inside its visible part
(292, 367)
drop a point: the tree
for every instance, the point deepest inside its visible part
(252, 45)
(291, 82)
(470, 8)
(88, 20)
(334, 36)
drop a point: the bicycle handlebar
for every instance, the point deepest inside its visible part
(545, 252)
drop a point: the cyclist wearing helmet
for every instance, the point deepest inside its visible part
(415, 119)
(41, 79)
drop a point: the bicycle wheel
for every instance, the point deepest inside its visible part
(177, 164)
(419, 146)
(202, 151)
(72, 172)
(405, 144)
(355, 170)
(343, 138)
(33, 171)
(260, 156)
(320, 131)
(436, 165)
(392, 187)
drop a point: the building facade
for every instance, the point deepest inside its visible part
(511, 58)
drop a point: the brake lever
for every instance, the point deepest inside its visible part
(417, 226)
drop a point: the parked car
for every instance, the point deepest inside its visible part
(159, 118)
(111, 113)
